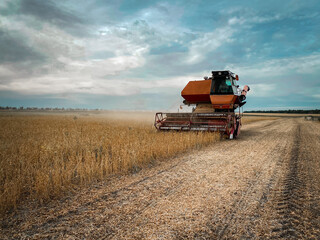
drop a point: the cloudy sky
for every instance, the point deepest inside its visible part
(139, 54)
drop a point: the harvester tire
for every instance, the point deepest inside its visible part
(236, 130)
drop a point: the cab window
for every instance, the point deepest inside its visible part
(222, 87)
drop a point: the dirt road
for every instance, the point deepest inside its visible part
(266, 184)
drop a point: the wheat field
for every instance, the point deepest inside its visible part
(43, 156)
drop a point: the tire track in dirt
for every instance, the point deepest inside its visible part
(257, 189)
(239, 204)
(310, 151)
(289, 198)
(111, 197)
(288, 211)
(295, 198)
(255, 185)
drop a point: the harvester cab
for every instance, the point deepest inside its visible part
(215, 98)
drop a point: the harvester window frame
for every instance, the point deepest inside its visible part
(215, 80)
(235, 87)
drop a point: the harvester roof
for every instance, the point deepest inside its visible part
(223, 74)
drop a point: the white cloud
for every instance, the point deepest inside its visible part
(6, 72)
(72, 66)
(179, 82)
(208, 42)
(262, 90)
(80, 76)
(280, 67)
(69, 66)
(164, 17)
(259, 19)
(236, 20)
(281, 77)
(44, 38)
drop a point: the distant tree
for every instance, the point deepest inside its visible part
(314, 111)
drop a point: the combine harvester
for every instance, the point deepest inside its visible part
(216, 100)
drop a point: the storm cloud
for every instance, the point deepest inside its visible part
(14, 49)
(48, 11)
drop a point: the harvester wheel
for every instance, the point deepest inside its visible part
(221, 135)
(236, 130)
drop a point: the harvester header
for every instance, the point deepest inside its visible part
(215, 98)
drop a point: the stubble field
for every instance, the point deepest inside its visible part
(95, 172)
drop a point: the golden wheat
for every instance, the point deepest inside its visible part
(43, 156)
(250, 119)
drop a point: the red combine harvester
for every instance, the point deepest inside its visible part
(216, 100)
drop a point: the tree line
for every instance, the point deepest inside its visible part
(46, 109)
(313, 111)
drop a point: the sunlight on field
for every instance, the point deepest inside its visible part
(251, 119)
(43, 156)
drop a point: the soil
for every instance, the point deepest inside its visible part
(265, 184)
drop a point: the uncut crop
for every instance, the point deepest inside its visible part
(41, 157)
